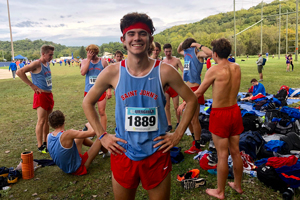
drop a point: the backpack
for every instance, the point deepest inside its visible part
(269, 176)
(251, 122)
(282, 96)
(251, 142)
(176, 155)
(264, 61)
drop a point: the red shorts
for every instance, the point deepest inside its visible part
(151, 171)
(226, 122)
(101, 98)
(82, 169)
(172, 92)
(44, 100)
(201, 100)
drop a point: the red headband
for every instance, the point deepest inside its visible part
(140, 25)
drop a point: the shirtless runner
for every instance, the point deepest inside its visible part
(225, 121)
(170, 93)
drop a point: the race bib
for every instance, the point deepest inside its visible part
(141, 119)
(92, 79)
(186, 65)
(49, 81)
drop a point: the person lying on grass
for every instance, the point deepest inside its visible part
(65, 146)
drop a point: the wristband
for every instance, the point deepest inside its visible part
(102, 135)
(201, 46)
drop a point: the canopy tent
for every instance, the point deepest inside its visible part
(20, 57)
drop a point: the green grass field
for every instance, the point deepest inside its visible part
(17, 134)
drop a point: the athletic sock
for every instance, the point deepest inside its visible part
(193, 136)
(45, 143)
(197, 144)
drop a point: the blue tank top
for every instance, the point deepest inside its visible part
(192, 66)
(43, 79)
(140, 111)
(92, 74)
(67, 159)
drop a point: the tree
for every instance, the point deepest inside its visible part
(82, 53)
(7, 56)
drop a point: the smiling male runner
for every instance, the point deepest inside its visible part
(140, 148)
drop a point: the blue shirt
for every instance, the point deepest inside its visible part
(67, 159)
(21, 65)
(92, 74)
(192, 66)
(43, 79)
(267, 54)
(260, 88)
(140, 113)
(231, 59)
(12, 66)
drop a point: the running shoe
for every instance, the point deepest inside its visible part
(194, 173)
(107, 154)
(4, 171)
(212, 159)
(202, 143)
(193, 183)
(193, 149)
(43, 149)
(169, 128)
(13, 176)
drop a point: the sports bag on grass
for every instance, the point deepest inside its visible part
(251, 142)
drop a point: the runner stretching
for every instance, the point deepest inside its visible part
(225, 122)
(194, 55)
(65, 146)
(42, 86)
(91, 67)
(170, 93)
(140, 116)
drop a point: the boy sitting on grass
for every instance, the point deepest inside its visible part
(65, 146)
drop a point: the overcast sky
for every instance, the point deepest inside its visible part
(82, 22)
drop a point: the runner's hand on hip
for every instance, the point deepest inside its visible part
(168, 141)
(109, 141)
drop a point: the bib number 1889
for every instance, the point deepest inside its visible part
(142, 121)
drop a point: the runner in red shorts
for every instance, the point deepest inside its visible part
(225, 121)
(42, 86)
(65, 146)
(171, 93)
(91, 67)
(141, 147)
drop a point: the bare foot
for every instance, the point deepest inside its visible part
(215, 193)
(233, 186)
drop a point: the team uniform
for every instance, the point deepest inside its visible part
(192, 70)
(91, 76)
(67, 159)
(140, 118)
(171, 92)
(43, 80)
(225, 122)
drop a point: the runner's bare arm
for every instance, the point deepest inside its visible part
(29, 68)
(106, 78)
(171, 77)
(180, 50)
(108, 93)
(206, 52)
(209, 79)
(86, 62)
(180, 65)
